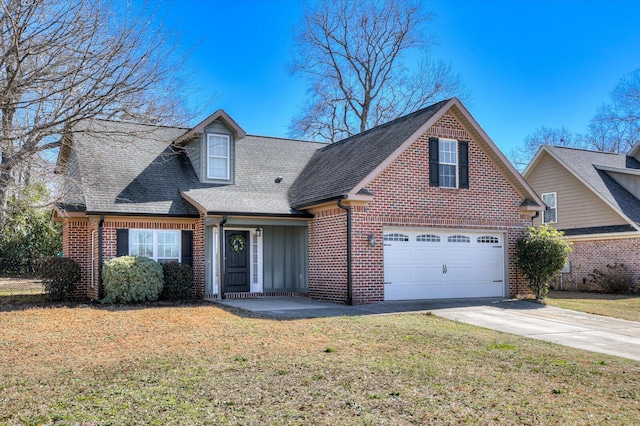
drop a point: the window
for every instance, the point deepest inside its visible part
(396, 237)
(487, 239)
(551, 213)
(448, 163)
(161, 246)
(428, 238)
(459, 239)
(218, 156)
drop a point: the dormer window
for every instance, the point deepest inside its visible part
(218, 156)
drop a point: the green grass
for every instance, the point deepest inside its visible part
(200, 364)
(611, 305)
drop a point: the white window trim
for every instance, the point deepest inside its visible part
(155, 242)
(555, 198)
(256, 287)
(210, 156)
(456, 164)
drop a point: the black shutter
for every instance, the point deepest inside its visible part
(122, 242)
(433, 162)
(187, 248)
(463, 166)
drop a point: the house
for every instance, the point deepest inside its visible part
(424, 206)
(594, 197)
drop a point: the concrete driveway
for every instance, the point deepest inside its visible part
(562, 326)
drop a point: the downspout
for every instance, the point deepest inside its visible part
(221, 256)
(100, 285)
(349, 279)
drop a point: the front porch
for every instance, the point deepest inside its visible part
(255, 257)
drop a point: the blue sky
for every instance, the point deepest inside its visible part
(527, 63)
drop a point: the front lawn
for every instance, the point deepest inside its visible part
(622, 306)
(204, 365)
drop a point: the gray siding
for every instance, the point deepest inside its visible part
(218, 128)
(285, 265)
(628, 181)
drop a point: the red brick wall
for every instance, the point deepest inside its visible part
(75, 245)
(590, 255)
(403, 197)
(328, 256)
(76, 241)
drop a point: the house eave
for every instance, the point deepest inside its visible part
(139, 214)
(605, 236)
(301, 215)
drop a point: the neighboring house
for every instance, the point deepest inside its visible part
(594, 197)
(425, 206)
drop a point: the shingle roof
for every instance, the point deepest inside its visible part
(259, 161)
(119, 164)
(584, 164)
(133, 169)
(337, 168)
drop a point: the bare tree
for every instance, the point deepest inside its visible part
(355, 56)
(616, 126)
(521, 156)
(62, 62)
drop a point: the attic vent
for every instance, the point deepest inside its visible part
(279, 179)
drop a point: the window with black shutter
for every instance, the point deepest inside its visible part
(448, 163)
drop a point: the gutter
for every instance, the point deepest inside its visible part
(221, 256)
(349, 266)
(100, 285)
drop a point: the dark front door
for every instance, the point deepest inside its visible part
(236, 276)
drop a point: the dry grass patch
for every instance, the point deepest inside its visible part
(11, 286)
(202, 364)
(622, 306)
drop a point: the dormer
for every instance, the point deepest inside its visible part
(210, 146)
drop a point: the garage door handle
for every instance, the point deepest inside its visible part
(444, 269)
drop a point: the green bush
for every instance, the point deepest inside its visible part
(60, 275)
(616, 278)
(540, 255)
(178, 281)
(131, 279)
(28, 235)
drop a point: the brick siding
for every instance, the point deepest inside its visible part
(589, 255)
(403, 197)
(76, 244)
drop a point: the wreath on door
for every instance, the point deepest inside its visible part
(238, 243)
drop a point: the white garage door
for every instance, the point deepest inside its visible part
(425, 264)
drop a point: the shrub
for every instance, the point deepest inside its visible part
(540, 255)
(60, 275)
(131, 279)
(28, 235)
(616, 278)
(178, 281)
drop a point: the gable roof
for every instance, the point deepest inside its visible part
(136, 169)
(344, 168)
(590, 167)
(198, 129)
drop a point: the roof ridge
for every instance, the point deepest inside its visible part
(286, 139)
(593, 151)
(388, 123)
(136, 123)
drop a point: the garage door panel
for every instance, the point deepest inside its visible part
(426, 264)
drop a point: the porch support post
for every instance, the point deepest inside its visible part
(222, 262)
